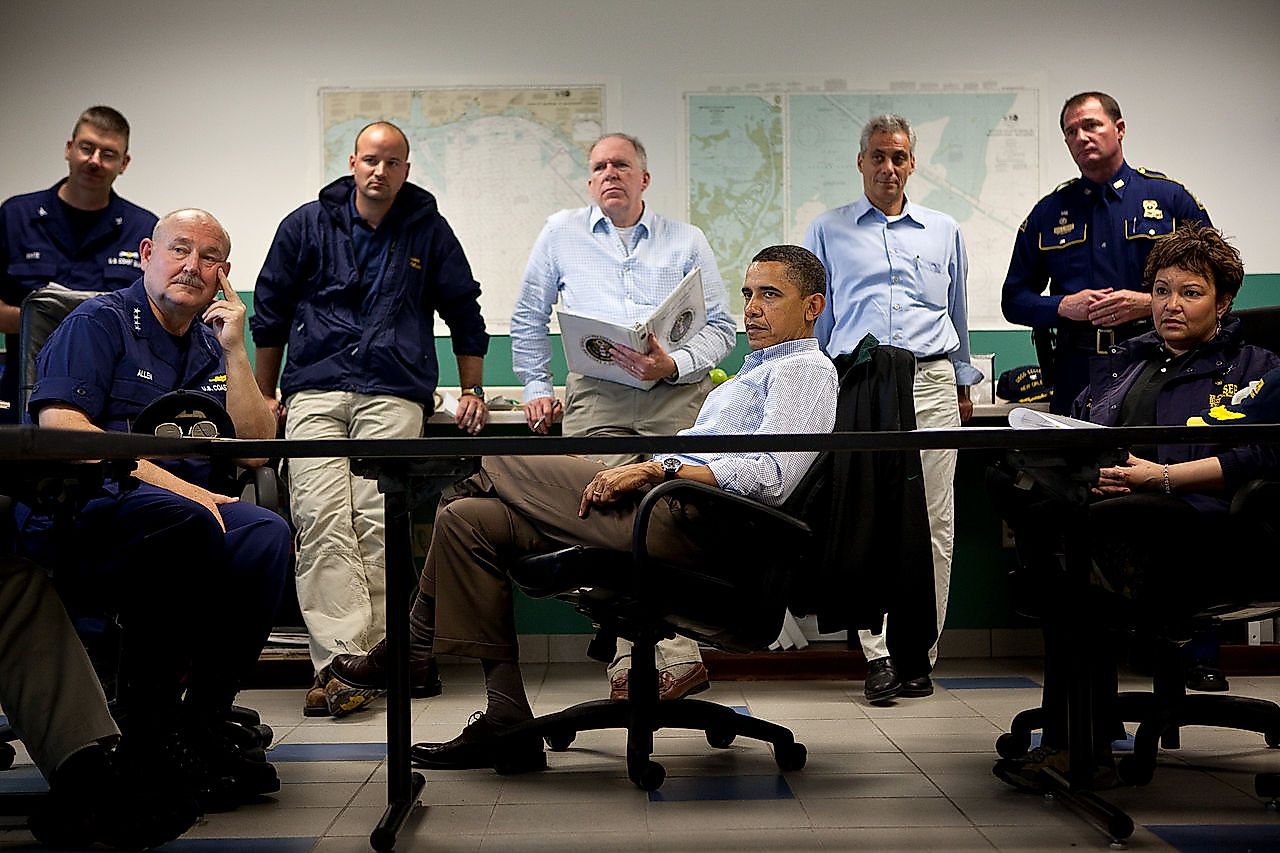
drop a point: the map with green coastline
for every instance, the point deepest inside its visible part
(763, 165)
(498, 160)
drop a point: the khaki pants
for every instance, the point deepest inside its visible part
(598, 407)
(48, 688)
(936, 406)
(341, 571)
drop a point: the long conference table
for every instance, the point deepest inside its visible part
(413, 471)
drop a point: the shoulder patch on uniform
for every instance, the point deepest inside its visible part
(1152, 173)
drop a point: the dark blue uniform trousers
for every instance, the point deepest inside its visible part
(195, 604)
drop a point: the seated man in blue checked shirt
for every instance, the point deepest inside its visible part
(520, 505)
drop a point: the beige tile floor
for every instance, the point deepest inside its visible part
(914, 776)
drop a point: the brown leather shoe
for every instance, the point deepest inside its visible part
(315, 705)
(369, 672)
(694, 680)
(618, 685)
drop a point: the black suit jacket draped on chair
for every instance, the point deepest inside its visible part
(871, 552)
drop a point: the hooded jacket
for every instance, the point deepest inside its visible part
(309, 296)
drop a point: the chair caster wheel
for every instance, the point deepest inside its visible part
(720, 739)
(1010, 745)
(651, 777)
(791, 756)
(560, 742)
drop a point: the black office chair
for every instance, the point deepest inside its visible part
(41, 312)
(736, 601)
(1163, 711)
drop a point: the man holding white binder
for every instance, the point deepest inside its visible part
(616, 260)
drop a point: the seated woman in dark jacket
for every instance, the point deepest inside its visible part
(1158, 517)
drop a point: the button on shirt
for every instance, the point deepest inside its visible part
(579, 259)
(900, 278)
(1088, 236)
(784, 389)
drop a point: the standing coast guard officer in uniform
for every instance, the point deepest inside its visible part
(78, 233)
(1088, 241)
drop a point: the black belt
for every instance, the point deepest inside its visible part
(1097, 340)
(921, 359)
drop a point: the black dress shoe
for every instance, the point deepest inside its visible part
(1206, 679)
(914, 688)
(476, 747)
(91, 800)
(369, 672)
(882, 682)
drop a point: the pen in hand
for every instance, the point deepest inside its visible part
(538, 423)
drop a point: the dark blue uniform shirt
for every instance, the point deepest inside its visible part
(111, 357)
(1085, 236)
(38, 247)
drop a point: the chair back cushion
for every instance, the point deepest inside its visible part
(42, 311)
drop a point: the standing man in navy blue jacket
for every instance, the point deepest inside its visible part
(351, 284)
(78, 233)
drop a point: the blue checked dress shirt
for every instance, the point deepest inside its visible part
(784, 389)
(902, 279)
(579, 260)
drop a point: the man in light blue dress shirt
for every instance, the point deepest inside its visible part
(617, 260)
(534, 504)
(897, 270)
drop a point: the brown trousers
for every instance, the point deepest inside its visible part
(515, 506)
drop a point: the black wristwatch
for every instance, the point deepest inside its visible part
(475, 391)
(670, 467)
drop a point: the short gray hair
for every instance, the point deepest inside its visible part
(887, 123)
(641, 156)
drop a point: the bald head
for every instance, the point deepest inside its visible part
(191, 215)
(383, 129)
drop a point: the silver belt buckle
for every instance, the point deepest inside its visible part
(1106, 340)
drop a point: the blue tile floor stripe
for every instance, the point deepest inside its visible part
(687, 789)
(258, 845)
(987, 683)
(21, 779)
(328, 752)
(1215, 838)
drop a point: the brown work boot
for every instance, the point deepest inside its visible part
(315, 705)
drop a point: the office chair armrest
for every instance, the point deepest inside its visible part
(695, 492)
(1255, 508)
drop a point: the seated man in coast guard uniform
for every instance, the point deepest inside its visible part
(194, 575)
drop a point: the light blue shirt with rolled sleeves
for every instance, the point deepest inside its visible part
(901, 278)
(579, 260)
(786, 389)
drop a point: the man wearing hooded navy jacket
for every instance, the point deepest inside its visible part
(351, 284)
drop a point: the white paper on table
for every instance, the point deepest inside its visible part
(1024, 418)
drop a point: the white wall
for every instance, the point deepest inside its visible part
(222, 93)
